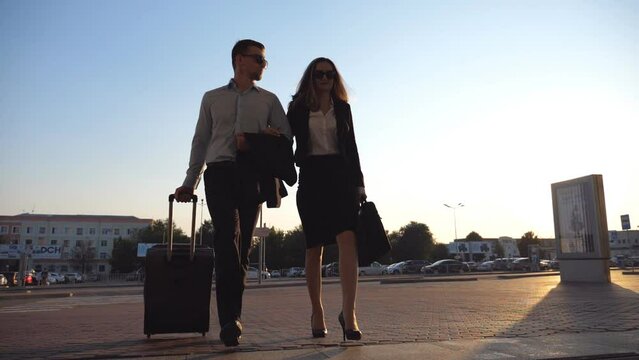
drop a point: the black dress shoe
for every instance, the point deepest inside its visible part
(231, 333)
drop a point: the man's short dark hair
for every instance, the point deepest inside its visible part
(241, 47)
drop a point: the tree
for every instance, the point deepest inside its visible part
(124, 257)
(439, 252)
(273, 252)
(415, 241)
(283, 249)
(157, 233)
(206, 231)
(388, 257)
(499, 249)
(473, 236)
(529, 238)
(82, 255)
(393, 238)
(294, 248)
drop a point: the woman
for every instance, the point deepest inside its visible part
(331, 186)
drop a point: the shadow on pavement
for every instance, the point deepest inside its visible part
(578, 308)
(573, 319)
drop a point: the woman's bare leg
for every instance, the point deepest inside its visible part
(314, 285)
(348, 273)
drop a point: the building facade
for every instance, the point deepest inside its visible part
(483, 250)
(49, 242)
(624, 243)
(486, 249)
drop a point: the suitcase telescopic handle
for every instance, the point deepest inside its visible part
(169, 248)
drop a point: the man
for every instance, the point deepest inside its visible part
(230, 181)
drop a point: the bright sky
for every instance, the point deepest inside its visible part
(485, 103)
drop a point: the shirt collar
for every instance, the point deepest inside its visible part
(233, 86)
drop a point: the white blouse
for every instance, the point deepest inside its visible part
(323, 133)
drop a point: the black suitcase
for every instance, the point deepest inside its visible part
(177, 284)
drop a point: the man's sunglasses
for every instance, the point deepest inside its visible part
(259, 59)
(319, 74)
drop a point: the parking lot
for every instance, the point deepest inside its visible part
(107, 321)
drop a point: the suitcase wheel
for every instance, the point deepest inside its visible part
(148, 336)
(204, 333)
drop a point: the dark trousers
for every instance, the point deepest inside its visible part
(231, 194)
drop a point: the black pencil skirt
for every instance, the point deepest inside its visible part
(326, 199)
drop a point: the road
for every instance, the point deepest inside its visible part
(108, 322)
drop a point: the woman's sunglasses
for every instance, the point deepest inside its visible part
(319, 74)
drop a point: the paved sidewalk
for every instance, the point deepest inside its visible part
(489, 318)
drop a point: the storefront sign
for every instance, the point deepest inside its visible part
(46, 252)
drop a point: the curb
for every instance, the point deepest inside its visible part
(419, 280)
(135, 290)
(507, 277)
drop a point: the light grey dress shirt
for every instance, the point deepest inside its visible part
(224, 112)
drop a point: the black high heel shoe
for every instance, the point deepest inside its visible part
(348, 333)
(318, 333)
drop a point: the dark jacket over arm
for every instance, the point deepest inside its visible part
(298, 115)
(272, 158)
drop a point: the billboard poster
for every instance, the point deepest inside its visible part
(625, 222)
(470, 247)
(576, 221)
(10, 251)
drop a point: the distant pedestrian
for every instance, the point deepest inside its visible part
(45, 278)
(231, 183)
(331, 185)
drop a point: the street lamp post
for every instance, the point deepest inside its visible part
(201, 221)
(454, 207)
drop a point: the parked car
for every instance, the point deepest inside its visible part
(471, 265)
(390, 268)
(544, 264)
(503, 263)
(3, 280)
(627, 261)
(485, 266)
(30, 279)
(554, 264)
(295, 272)
(137, 275)
(13, 277)
(332, 269)
(276, 274)
(521, 264)
(252, 273)
(73, 278)
(48, 278)
(374, 268)
(500, 264)
(59, 278)
(445, 266)
(410, 267)
(91, 277)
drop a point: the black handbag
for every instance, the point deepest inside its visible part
(372, 242)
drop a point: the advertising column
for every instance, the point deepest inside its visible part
(581, 229)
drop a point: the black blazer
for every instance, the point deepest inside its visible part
(298, 119)
(272, 159)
